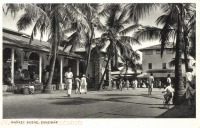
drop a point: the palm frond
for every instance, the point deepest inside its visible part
(12, 8)
(128, 39)
(129, 29)
(148, 33)
(138, 11)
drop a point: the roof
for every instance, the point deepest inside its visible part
(156, 75)
(158, 46)
(21, 40)
(159, 73)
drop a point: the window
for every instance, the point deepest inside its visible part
(149, 52)
(150, 65)
(164, 66)
(158, 51)
(169, 51)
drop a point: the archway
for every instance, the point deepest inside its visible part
(33, 64)
(81, 67)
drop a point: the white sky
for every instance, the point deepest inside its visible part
(9, 22)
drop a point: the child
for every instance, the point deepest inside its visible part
(168, 93)
(77, 84)
(83, 87)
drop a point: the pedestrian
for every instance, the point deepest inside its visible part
(68, 81)
(77, 84)
(120, 84)
(159, 84)
(169, 92)
(83, 87)
(150, 83)
(169, 80)
(136, 83)
(190, 87)
(127, 84)
(132, 83)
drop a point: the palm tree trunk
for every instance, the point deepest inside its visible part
(89, 50)
(186, 43)
(106, 69)
(126, 69)
(47, 87)
(179, 87)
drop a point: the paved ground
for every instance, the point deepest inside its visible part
(105, 104)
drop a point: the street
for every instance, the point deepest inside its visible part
(95, 104)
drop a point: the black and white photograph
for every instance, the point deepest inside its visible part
(79, 61)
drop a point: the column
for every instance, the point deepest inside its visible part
(12, 65)
(61, 70)
(40, 68)
(77, 67)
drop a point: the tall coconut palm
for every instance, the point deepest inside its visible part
(130, 58)
(84, 28)
(50, 19)
(174, 27)
(116, 21)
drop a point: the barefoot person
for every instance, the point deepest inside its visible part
(77, 84)
(83, 88)
(68, 81)
(150, 82)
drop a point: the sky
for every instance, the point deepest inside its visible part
(10, 22)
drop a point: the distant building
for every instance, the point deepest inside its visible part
(160, 67)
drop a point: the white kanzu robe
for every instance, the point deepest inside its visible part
(83, 87)
(68, 82)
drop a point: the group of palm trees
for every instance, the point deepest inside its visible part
(114, 21)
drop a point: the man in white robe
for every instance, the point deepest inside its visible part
(68, 81)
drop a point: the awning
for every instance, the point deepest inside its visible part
(156, 75)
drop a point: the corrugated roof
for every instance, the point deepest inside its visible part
(12, 38)
(158, 46)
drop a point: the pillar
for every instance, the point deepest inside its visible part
(61, 70)
(40, 68)
(77, 69)
(12, 65)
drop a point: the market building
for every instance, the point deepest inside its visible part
(33, 58)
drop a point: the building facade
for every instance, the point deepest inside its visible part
(34, 58)
(152, 62)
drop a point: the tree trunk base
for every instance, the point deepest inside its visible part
(46, 91)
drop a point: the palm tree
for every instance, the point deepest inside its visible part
(84, 28)
(116, 22)
(174, 27)
(47, 18)
(130, 58)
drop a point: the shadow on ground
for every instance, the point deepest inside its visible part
(143, 95)
(182, 111)
(79, 100)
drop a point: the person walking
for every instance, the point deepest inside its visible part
(120, 84)
(68, 81)
(127, 84)
(169, 80)
(159, 84)
(77, 84)
(150, 83)
(83, 87)
(136, 83)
